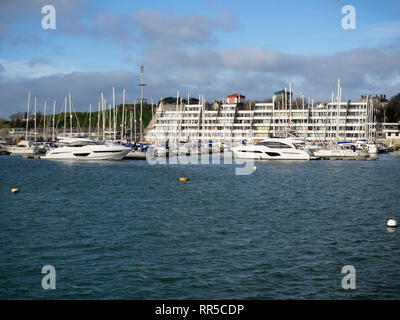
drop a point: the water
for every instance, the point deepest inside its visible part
(130, 230)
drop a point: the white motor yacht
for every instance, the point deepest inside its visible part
(86, 149)
(271, 149)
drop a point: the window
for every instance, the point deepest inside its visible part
(274, 145)
(273, 154)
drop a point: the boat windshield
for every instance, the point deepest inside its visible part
(274, 145)
(80, 143)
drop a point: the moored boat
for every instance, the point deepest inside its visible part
(271, 149)
(86, 149)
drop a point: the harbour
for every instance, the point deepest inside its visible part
(283, 232)
(199, 159)
(278, 129)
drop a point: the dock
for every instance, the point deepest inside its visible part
(351, 158)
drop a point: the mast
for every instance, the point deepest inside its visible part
(104, 117)
(109, 120)
(44, 116)
(54, 116)
(130, 123)
(90, 117)
(308, 116)
(142, 85)
(338, 110)
(27, 115)
(273, 115)
(114, 111)
(70, 114)
(65, 116)
(134, 118)
(290, 105)
(98, 120)
(123, 114)
(35, 118)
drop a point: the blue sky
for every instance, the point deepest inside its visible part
(211, 47)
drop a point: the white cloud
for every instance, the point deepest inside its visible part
(31, 69)
(384, 30)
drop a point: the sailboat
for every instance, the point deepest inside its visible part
(340, 150)
(24, 147)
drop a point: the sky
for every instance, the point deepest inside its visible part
(210, 47)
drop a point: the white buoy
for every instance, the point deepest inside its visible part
(392, 223)
(254, 168)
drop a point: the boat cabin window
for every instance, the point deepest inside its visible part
(274, 145)
(80, 143)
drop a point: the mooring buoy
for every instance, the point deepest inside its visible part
(391, 223)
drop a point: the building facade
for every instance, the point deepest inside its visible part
(221, 121)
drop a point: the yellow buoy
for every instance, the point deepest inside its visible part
(183, 179)
(14, 190)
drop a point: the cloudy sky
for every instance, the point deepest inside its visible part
(210, 47)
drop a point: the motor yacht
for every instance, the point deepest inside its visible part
(271, 149)
(86, 149)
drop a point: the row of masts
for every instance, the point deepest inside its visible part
(111, 119)
(281, 118)
(136, 131)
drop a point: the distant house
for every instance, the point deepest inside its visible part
(391, 131)
(235, 98)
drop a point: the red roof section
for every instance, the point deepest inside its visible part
(236, 95)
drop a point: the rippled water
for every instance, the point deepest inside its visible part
(130, 230)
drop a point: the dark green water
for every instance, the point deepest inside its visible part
(130, 230)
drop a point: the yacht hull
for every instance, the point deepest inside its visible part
(281, 149)
(87, 153)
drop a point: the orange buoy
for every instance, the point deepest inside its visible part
(183, 179)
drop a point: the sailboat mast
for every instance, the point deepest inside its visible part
(54, 116)
(90, 118)
(130, 123)
(134, 118)
(98, 121)
(104, 116)
(123, 114)
(109, 121)
(65, 116)
(338, 110)
(27, 115)
(70, 114)
(115, 118)
(290, 104)
(35, 117)
(44, 116)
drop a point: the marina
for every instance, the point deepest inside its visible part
(252, 130)
(283, 232)
(195, 158)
